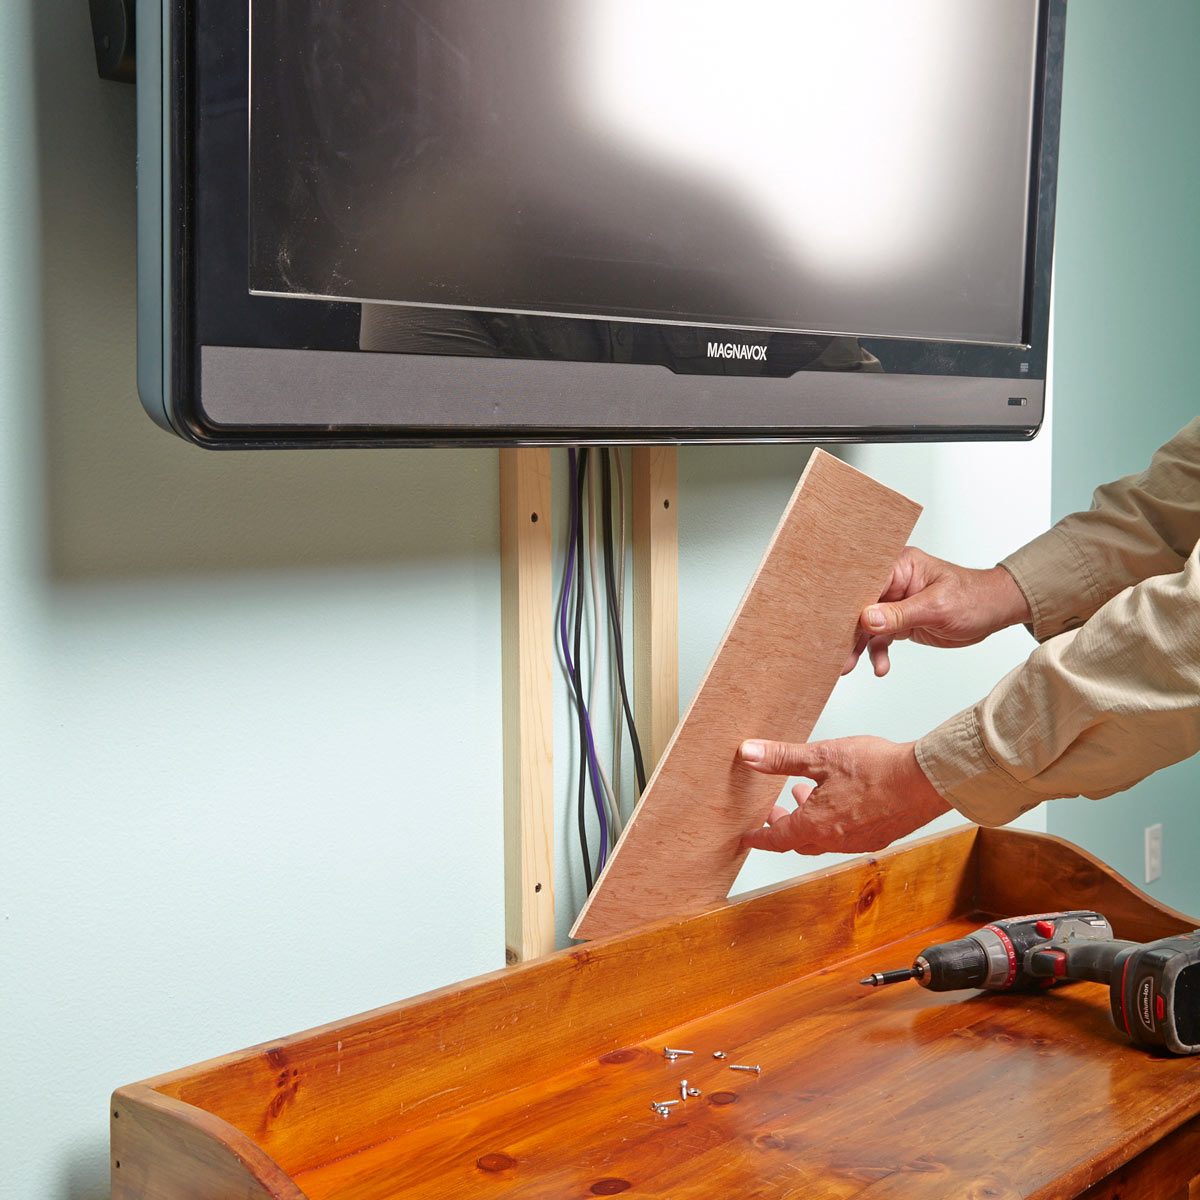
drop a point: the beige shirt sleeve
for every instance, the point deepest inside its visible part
(1113, 693)
(1139, 526)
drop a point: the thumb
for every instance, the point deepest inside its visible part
(782, 758)
(899, 618)
(775, 835)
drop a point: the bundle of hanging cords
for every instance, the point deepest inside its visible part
(570, 636)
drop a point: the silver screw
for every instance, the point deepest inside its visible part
(693, 1091)
(738, 1067)
(683, 1089)
(674, 1054)
(718, 1054)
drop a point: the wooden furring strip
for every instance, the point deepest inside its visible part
(655, 597)
(771, 677)
(527, 668)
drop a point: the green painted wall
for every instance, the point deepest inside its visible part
(249, 704)
(249, 734)
(1127, 308)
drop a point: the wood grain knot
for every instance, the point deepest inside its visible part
(991, 1188)
(867, 897)
(618, 1056)
(722, 1097)
(288, 1084)
(495, 1162)
(770, 1141)
(924, 1166)
(276, 1057)
(610, 1187)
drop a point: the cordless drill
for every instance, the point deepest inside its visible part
(1154, 987)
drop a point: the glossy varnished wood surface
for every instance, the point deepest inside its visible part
(891, 1093)
(1033, 874)
(1169, 1170)
(379, 1075)
(537, 1081)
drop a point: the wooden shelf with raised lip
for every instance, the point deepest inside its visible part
(536, 1081)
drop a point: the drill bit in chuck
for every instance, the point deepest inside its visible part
(882, 978)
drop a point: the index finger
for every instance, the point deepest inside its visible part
(783, 758)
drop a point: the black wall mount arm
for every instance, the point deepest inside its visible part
(113, 35)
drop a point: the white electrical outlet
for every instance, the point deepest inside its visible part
(1153, 853)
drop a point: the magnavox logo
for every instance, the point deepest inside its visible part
(737, 350)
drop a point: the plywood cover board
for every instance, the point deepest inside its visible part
(770, 678)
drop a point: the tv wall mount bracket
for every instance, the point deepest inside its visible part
(113, 35)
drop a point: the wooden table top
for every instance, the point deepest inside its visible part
(537, 1081)
(895, 1092)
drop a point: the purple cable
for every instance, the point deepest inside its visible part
(593, 767)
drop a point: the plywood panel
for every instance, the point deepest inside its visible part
(770, 678)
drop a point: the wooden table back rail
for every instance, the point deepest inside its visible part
(536, 1081)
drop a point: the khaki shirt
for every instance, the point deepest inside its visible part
(1112, 694)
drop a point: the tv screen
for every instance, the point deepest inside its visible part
(852, 167)
(563, 220)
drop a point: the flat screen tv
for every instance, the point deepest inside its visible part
(391, 222)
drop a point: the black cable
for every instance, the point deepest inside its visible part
(614, 619)
(598, 795)
(576, 522)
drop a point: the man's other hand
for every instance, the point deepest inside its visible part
(867, 792)
(936, 603)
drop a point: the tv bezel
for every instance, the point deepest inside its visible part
(228, 369)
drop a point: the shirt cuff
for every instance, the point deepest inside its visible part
(1055, 577)
(958, 764)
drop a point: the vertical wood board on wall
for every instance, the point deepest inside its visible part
(655, 472)
(771, 676)
(527, 665)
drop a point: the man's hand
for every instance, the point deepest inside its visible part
(937, 603)
(868, 793)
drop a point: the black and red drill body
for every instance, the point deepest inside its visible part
(1154, 987)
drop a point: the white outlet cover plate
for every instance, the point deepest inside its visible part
(1154, 836)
